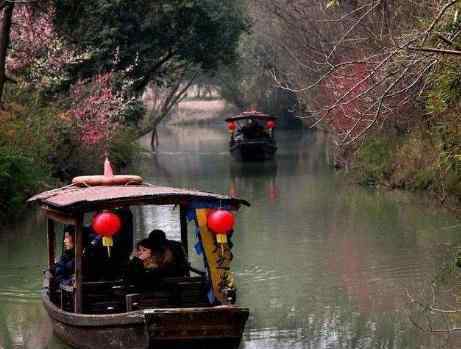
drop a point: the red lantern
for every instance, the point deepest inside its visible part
(270, 124)
(221, 222)
(231, 126)
(106, 224)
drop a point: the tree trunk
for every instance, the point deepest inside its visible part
(5, 28)
(175, 96)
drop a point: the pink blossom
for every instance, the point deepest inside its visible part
(96, 108)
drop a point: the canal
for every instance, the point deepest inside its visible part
(321, 263)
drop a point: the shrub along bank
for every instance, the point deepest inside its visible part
(425, 152)
(428, 158)
(40, 148)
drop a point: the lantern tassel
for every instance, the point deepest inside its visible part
(108, 242)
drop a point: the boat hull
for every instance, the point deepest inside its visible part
(253, 150)
(203, 327)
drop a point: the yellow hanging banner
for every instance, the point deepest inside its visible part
(218, 258)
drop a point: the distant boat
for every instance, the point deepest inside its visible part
(187, 311)
(252, 136)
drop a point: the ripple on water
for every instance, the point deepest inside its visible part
(20, 284)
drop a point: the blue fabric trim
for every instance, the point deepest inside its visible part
(198, 248)
(211, 297)
(216, 203)
(190, 214)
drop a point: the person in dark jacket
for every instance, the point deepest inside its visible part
(156, 258)
(143, 269)
(64, 268)
(179, 264)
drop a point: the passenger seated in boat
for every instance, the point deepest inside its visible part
(253, 130)
(179, 265)
(64, 268)
(143, 269)
(156, 258)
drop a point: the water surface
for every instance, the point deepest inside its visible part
(320, 262)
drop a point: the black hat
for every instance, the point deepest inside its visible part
(69, 229)
(157, 237)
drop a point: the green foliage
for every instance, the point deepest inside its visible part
(149, 39)
(231, 86)
(446, 90)
(19, 178)
(447, 138)
(39, 145)
(133, 113)
(72, 158)
(138, 41)
(425, 159)
(332, 3)
(124, 149)
(444, 100)
(248, 83)
(374, 160)
(415, 162)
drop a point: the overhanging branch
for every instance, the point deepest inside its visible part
(435, 50)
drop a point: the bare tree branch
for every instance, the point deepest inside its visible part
(448, 41)
(437, 19)
(435, 50)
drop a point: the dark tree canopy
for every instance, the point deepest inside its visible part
(152, 37)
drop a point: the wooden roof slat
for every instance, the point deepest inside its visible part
(72, 198)
(251, 115)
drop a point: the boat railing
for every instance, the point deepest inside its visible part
(173, 292)
(106, 297)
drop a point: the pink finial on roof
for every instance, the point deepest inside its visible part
(108, 172)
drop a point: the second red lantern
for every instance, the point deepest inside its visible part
(231, 126)
(221, 222)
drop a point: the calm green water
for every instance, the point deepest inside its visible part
(321, 263)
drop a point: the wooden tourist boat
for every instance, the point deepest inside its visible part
(181, 312)
(252, 136)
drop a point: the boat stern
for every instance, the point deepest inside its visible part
(196, 327)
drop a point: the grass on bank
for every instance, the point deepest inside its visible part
(426, 159)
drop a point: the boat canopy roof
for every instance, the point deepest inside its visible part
(251, 115)
(74, 198)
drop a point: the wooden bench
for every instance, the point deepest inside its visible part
(115, 296)
(172, 292)
(103, 297)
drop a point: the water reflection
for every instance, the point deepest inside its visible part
(320, 263)
(253, 178)
(22, 257)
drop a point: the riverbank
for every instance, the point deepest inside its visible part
(423, 160)
(195, 111)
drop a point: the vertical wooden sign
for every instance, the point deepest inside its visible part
(218, 258)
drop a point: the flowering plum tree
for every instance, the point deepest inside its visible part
(95, 45)
(37, 53)
(42, 60)
(163, 43)
(96, 108)
(356, 64)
